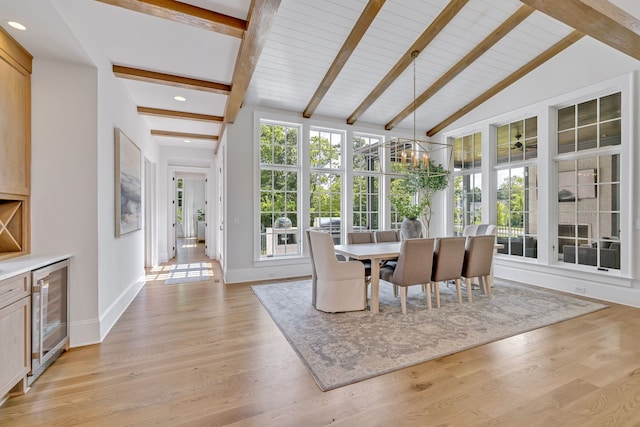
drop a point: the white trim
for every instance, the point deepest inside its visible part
(271, 272)
(111, 315)
(84, 332)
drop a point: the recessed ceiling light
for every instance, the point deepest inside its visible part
(17, 25)
(180, 98)
(187, 140)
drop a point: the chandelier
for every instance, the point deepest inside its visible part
(412, 154)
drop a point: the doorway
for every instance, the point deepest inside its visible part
(190, 214)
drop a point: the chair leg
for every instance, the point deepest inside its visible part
(484, 281)
(395, 291)
(436, 287)
(467, 282)
(428, 292)
(403, 298)
(458, 291)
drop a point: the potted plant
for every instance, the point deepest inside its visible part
(412, 195)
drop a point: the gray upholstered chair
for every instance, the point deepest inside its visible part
(339, 285)
(359, 237)
(478, 258)
(413, 267)
(387, 236)
(448, 258)
(479, 230)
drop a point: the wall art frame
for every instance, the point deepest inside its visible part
(128, 185)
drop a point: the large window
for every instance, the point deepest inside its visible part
(517, 193)
(326, 177)
(467, 182)
(588, 194)
(366, 182)
(279, 189)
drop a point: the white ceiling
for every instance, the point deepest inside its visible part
(303, 41)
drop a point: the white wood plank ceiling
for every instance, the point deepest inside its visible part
(293, 43)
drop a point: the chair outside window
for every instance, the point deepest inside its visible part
(339, 285)
(413, 267)
(478, 258)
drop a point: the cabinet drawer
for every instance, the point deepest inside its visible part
(14, 288)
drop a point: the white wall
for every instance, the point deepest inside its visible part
(64, 201)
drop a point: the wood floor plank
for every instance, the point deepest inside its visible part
(208, 354)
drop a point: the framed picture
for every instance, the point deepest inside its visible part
(128, 185)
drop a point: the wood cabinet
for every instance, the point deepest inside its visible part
(15, 334)
(15, 147)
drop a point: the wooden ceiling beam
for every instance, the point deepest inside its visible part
(260, 17)
(599, 19)
(438, 24)
(172, 134)
(185, 14)
(170, 80)
(171, 114)
(509, 80)
(357, 32)
(496, 35)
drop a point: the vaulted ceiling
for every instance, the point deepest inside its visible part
(383, 63)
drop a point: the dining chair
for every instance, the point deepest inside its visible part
(478, 257)
(387, 236)
(339, 285)
(360, 237)
(479, 230)
(411, 269)
(448, 257)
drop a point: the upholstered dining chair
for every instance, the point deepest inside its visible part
(413, 267)
(339, 285)
(479, 230)
(387, 236)
(359, 237)
(448, 257)
(478, 257)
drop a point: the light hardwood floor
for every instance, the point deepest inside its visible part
(206, 354)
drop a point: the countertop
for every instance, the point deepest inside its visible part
(14, 266)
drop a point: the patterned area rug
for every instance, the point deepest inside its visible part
(344, 348)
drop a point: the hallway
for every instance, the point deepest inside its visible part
(190, 265)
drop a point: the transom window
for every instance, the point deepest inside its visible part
(326, 177)
(517, 192)
(279, 190)
(366, 181)
(467, 182)
(588, 194)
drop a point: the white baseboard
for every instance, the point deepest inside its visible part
(111, 315)
(266, 273)
(578, 283)
(85, 332)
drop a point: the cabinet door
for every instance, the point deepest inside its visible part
(15, 344)
(15, 117)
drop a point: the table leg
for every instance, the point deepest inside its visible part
(375, 286)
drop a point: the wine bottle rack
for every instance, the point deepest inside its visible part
(13, 236)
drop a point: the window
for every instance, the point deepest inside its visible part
(517, 193)
(366, 182)
(279, 189)
(588, 167)
(326, 176)
(467, 182)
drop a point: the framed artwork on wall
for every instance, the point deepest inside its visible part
(128, 185)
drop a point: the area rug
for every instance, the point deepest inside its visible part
(343, 348)
(188, 272)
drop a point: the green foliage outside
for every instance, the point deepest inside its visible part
(510, 209)
(412, 195)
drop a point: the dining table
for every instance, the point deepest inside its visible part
(375, 252)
